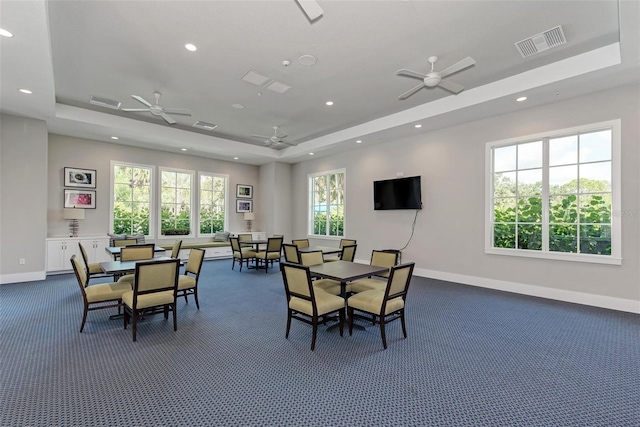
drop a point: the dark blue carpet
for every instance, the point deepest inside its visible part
(474, 357)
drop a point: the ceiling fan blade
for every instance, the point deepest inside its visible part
(310, 8)
(460, 65)
(282, 135)
(179, 111)
(450, 86)
(261, 137)
(168, 119)
(410, 73)
(136, 109)
(411, 91)
(142, 100)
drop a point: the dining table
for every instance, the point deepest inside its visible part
(326, 250)
(115, 250)
(344, 272)
(119, 268)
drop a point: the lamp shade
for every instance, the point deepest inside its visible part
(249, 216)
(73, 213)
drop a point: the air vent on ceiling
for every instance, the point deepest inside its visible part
(204, 125)
(277, 86)
(255, 78)
(104, 102)
(541, 42)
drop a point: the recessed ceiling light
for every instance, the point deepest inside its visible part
(236, 158)
(418, 126)
(190, 47)
(5, 33)
(329, 102)
(311, 154)
(307, 60)
(238, 106)
(183, 149)
(358, 141)
(27, 91)
(522, 98)
(114, 137)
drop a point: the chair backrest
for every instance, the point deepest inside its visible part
(384, 259)
(274, 244)
(346, 242)
(194, 264)
(155, 276)
(85, 258)
(399, 279)
(137, 252)
(311, 258)
(235, 244)
(297, 281)
(301, 243)
(245, 237)
(291, 253)
(124, 242)
(81, 273)
(348, 253)
(175, 251)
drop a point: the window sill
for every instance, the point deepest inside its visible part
(594, 259)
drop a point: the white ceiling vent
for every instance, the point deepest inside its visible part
(277, 86)
(204, 125)
(541, 42)
(104, 102)
(255, 78)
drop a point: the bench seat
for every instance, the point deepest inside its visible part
(198, 245)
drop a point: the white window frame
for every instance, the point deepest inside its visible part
(310, 204)
(616, 227)
(158, 209)
(152, 215)
(226, 200)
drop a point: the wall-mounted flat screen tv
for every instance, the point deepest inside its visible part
(399, 193)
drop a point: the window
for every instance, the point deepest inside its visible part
(553, 195)
(326, 196)
(213, 203)
(175, 202)
(131, 202)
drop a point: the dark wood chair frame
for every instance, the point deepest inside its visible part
(175, 250)
(274, 245)
(238, 249)
(85, 259)
(380, 318)
(315, 319)
(196, 272)
(290, 250)
(346, 249)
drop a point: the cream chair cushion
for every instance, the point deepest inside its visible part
(327, 285)
(325, 303)
(148, 300)
(363, 285)
(127, 278)
(94, 268)
(371, 302)
(106, 291)
(186, 282)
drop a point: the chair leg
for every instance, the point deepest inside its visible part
(350, 310)
(185, 298)
(341, 319)
(175, 318)
(404, 327)
(165, 310)
(134, 325)
(314, 334)
(84, 317)
(286, 335)
(233, 264)
(384, 336)
(195, 296)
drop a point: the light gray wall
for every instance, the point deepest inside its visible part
(88, 154)
(23, 225)
(449, 232)
(275, 199)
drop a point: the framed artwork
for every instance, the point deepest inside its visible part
(74, 177)
(244, 191)
(244, 205)
(82, 199)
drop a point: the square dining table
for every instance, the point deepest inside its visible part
(115, 250)
(119, 268)
(326, 250)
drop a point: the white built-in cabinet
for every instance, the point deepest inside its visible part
(256, 235)
(61, 249)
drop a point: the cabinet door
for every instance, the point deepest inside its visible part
(96, 249)
(55, 255)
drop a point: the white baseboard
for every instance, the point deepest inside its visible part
(620, 304)
(23, 277)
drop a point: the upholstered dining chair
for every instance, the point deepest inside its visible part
(93, 269)
(135, 253)
(188, 285)
(379, 259)
(175, 250)
(327, 285)
(291, 253)
(154, 289)
(124, 242)
(301, 243)
(307, 304)
(348, 253)
(97, 297)
(272, 253)
(347, 242)
(246, 237)
(383, 306)
(243, 256)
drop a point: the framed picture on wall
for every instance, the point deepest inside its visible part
(81, 199)
(244, 191)
(74, 177)
(244, 205)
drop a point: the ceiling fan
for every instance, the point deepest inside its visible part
(310, 8)
(157, 110)
(435, 78)
(275, 139)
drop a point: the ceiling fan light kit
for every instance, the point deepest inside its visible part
(156, 109)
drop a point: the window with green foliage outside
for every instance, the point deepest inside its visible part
(175, 202)
(554, 194)
(213, 189)
(327, 203)
(132, 187)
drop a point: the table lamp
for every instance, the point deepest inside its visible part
(249, 216)
(73, 215)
